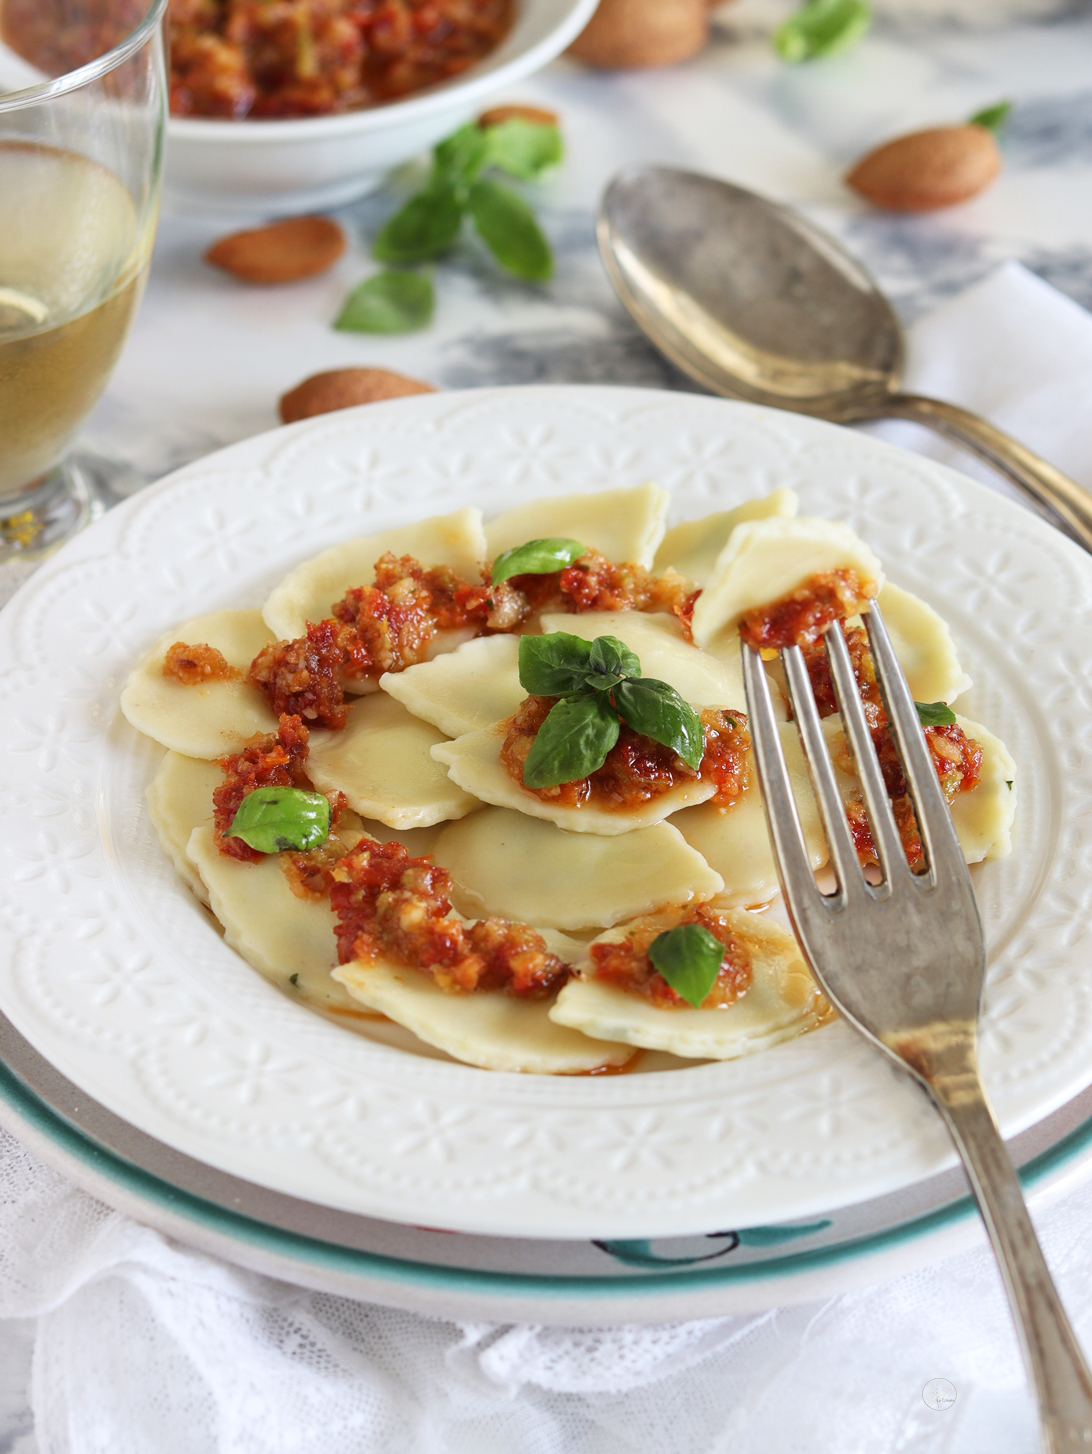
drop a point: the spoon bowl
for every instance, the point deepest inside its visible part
(753, 301)
(746, 296)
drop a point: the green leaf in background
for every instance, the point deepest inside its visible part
(536, 558)
(689, 958)
(572, 742)
(822, 27)
(271, 820)
(656, 710)
(424, 228)
(553, 665)
(610, 662)
(992, 118)
(508, 228)
(935, 714)
(523, 149)
(388, 303)
(462, 155)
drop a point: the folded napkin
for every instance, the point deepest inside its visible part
(1016, 351)
(144, 1347)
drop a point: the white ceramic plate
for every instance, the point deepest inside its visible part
(115, 975)
(514, 1279)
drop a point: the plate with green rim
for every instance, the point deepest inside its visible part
(598, 1283)
(118, 979)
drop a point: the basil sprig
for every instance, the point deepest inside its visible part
(935, 714)
(536, 558)
(600, 686)
(271, 820)
(430, 222)
(689, 958)
(822, 27)
(652, 709)
(573, 741)
(992, 118)
(391, 302)
(509, 229)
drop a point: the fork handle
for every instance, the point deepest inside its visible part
(1053, 1357)
(1067, 501)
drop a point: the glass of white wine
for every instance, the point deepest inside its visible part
(83, 101)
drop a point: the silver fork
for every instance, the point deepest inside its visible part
(904, 962)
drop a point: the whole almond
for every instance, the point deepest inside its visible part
(344, 388)
(928, 169)
(536, 114)
(627, 34)
(283, 252)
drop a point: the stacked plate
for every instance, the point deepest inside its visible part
(150, 1063)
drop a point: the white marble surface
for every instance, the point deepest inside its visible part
(208, 358)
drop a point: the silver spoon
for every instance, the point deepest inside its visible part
(753, 301)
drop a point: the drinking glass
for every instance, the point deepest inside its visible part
(82, 116)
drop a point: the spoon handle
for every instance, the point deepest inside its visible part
(1067, 501)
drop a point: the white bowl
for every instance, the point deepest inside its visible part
(259, 169)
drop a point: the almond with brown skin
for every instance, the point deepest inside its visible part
(535, 114)
(342, 389)
(928, 169)
(626, 34)
(283, 252)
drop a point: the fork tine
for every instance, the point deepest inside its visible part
(843, 854)
(938, 835)
(885, 833)
(790, 853)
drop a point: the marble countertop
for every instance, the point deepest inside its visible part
(208, 358)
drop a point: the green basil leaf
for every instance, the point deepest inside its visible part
(992, 118)
(271, 820)
(508, 228)
(613, 658)
(553, 665)
(656, 710)
(689, 958)
(523, 149)
(388, 303)
(460, 157)
(425, 227)
(536, 558)
(572, 742)
(935, 714)
(822, 27)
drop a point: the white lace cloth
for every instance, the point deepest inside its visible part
(144, 1347)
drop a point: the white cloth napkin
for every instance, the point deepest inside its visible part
(144, 1347)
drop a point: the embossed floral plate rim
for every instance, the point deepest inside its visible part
(117, 978)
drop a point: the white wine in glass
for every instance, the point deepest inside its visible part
(79, 186)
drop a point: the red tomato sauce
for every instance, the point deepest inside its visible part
(956, 757)
(273, 58)
(302, 678)
(804, 614)
(394, 907)
(282, 58)
(627, 965)
(592, 583)
(958, 761)
(637, 769)
(269, 760)
(193, 665)
(383, 627)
